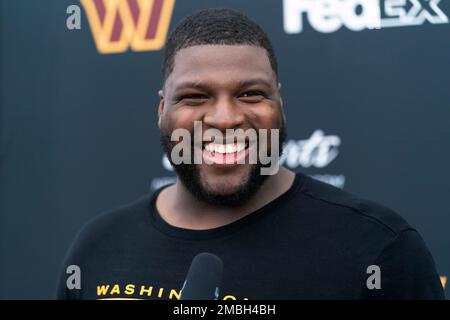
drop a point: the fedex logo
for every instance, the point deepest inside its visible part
(328, 16)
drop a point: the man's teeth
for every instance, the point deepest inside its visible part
(225, 148)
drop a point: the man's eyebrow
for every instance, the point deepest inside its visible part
(204, 86)
(248, 83)
(190, 84)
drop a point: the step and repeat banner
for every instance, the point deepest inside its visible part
(366, 91)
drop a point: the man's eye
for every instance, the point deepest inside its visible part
(195, 96)
(252, 96)
(193, 99)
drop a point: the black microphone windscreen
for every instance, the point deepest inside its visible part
(203, 278)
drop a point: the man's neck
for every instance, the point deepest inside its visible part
(180, 208)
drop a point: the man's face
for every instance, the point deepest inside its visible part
(224, 87)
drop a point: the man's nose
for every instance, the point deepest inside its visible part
(224, 114)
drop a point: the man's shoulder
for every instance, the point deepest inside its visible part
(115, 222)
(352, 206)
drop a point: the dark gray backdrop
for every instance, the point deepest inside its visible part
(78, 129)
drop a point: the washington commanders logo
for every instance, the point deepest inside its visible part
(119, 25)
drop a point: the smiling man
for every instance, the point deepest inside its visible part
(280, 235)
(222, 86)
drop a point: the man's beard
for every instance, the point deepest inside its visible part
(189, 175)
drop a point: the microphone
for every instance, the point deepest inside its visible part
(203, 278)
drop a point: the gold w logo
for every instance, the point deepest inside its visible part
(117, 25)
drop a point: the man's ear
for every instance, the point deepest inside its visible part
(160, 107)
(281, 102)
(282, 109)
(281, 98)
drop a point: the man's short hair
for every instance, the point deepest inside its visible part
(216, 26)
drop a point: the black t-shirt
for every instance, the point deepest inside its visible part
(313, 242)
